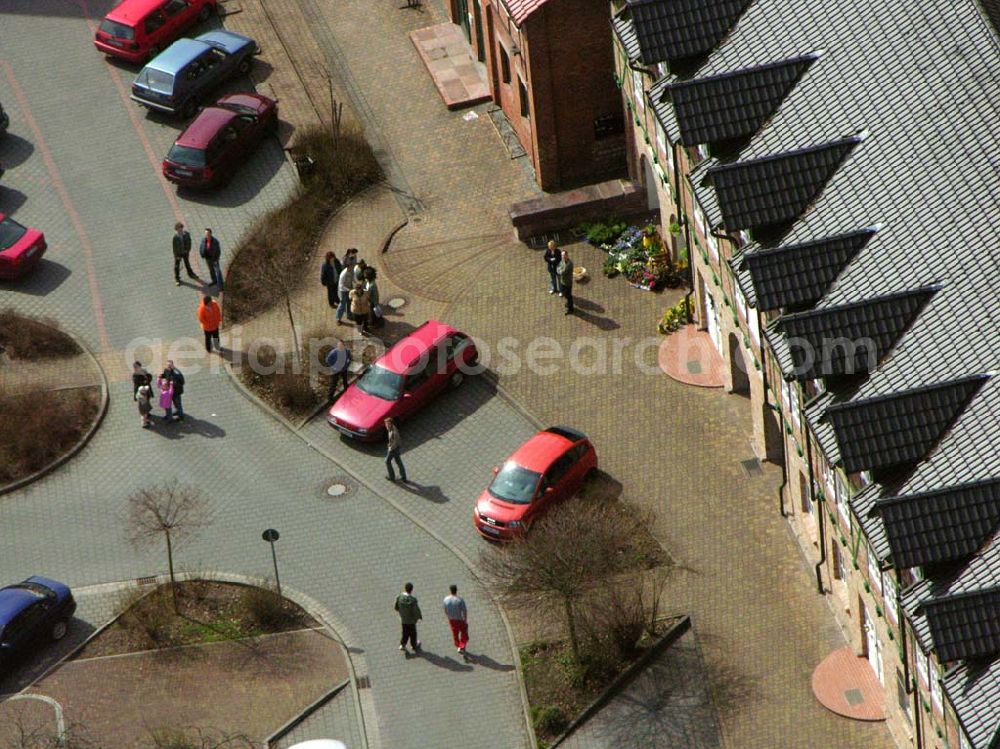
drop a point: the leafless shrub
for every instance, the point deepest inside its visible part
(30, 338)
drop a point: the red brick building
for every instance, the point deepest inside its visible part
(551, 71)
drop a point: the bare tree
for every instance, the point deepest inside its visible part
(198, 738)
(174, 510)
(26, 730)
(568, 551)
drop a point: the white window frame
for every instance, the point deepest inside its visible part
(922, 674)
(669, 159)
(828, 479)
(638, 91)
(935, 689)
(661, 139)
(754, 328)
(712, 242)
(699, 220)
(794, 407)
(842, 496)
(741, 303)
(889, 596)
(874, 573)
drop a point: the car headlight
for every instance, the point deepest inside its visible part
(361, 431)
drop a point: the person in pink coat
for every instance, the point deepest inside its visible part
(166, 397)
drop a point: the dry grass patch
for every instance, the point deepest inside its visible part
(31, 338)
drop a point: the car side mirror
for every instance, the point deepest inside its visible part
(549, 489)
(496, 470)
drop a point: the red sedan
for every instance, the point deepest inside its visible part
(136, 30)
(219, 139)
(403, 380)
(547, 469)
(20, 248)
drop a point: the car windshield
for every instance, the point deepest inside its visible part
(515, 484)
(186, 156)
(381, 383)
(10, 233)
(156, 80)
(117, 30)
(39, 590)
(241, 108)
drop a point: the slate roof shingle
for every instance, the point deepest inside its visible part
(939, 526)
(800, 274)
(974, 689)
(672, 30)
(966, 625)
(900, 428)
(728, 106)
(776, 189)
(849, 339)
(520, 10)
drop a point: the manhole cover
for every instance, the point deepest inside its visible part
(339, 487)
(395, 303)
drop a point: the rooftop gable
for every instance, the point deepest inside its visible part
(966, 625)
(672, 30)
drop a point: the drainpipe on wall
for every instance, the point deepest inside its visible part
(682, 219)
(784, 457)
(910, 687)
(819, 506)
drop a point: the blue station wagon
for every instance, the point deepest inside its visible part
(180, 76)
(32, 612)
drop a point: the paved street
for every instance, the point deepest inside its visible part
(83, 164)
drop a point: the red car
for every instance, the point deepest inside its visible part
(20, 248)
(403, 380)
(138, 30)
(217, 142)
(547, 469)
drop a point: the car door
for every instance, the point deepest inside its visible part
(179, 14)
(232, 144)
(26, 628)
(577, 470)
(416, 389)
(552, 487)
(216, 65)
(155, 27)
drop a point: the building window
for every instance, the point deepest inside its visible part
(935, 690)
(754, 329)
(874, 574)
(523, 91)
(638, 91)
(838, 561)
(889, 595)
(807, 505)
(921, 666)
(842, 501)
(661, 139)
(902, 697)
(504, 64)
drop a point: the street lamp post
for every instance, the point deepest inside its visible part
(271, 535)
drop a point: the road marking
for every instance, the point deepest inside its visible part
(60, 723)
(60, 187)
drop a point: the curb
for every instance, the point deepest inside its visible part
(292, 724)
(669, 638)
(102, 411)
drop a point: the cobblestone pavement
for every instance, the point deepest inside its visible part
(335, 718)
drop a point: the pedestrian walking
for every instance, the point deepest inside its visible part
(211, 250)
(360, 307)
(140, 377)
(409, 614)
(375, 317)
(360, 269)
(393, 445)
(182, 253)
(344, 285)
(565, 271)
(173, 374)
(339, 362)
(350, 257)
(210, 316)
(143, 396)
(458, 618)
(329, 275)
(552, 257)
(166, 397)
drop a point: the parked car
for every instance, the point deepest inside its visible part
(137, 30)
(545, 470)
(4, 121)
(21, 248)
(403, 380)
(180, 76)
(221, 137)
(32, 612)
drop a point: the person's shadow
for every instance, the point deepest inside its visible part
(442, 662)
(187, 427)
(431, 493)
(487, 662)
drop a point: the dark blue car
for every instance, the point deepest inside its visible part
(31, 613)
(180, 76)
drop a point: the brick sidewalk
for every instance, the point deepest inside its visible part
(762, 625)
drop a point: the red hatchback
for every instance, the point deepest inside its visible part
(137, 30)
(547, 469)
(219, 139)
(403, 380)
(20, 248)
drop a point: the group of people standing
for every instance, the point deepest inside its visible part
(560, 269)
(210, 250)
(170, 383)
(455, 611)
(352, 289)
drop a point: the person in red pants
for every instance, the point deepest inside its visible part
(458, 618)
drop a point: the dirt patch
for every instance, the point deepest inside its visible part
(207, 612)
(37, 428)
(32, 338)
(248, 687)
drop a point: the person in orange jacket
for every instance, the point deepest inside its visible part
(210, 316)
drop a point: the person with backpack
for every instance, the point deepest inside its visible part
(409, 614)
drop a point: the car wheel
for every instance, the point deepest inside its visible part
(244, 66)
(205, 12)
(456, 379)
(59, 630)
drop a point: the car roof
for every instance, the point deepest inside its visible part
(246, 99)
(130, 12)
(177, 55)
(405, 353)
(230, 41)
(204, 127)
(539, 452)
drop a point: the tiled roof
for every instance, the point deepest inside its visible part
(743, 279)
(940, 526)
(776, 189)
(671, 30)
(966, 625)
(912, 599)
(849, 339)
(728, 106)
(622, 25)
(663, 109)
(815, 412)
(974, 690)
(519, 10)
(899, 428)
(863, 506)
(800, 274)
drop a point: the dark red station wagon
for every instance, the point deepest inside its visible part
(219, 139)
